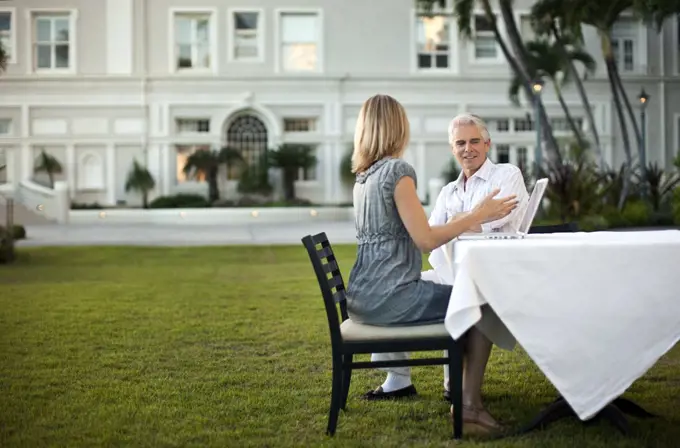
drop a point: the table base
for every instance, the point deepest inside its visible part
(614, 413)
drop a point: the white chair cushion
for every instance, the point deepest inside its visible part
(352, 331)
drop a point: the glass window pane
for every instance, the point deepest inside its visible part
(182, 30)
(442, 61)
(61, 56)
(299, 57)
(43, 30)
(5, 21)
(485, 47)
(44, 56)
(203, 56)
(245, 20)
(61, 30)
(6, 43)
(502, 154)
(433, 32)
(184, 56)
(298, 28)
(424, 61)
(202, 31)
(482, 24)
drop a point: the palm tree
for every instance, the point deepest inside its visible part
(3, 58)
(49, 164)
(553, 26)
(602, 16)
(204, 164)
(545, 59)
(140, 179)
(292, 158)
(464, 10)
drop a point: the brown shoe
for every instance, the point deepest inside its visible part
(480, 418)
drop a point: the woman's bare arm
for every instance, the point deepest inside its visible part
(429, 238)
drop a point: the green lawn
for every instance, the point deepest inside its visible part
(229, 347)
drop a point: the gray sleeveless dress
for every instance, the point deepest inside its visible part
(384, 286)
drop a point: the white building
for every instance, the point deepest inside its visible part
(98, 83)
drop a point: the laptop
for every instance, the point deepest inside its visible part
(527, 218)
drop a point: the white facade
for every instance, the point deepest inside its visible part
(98, 83)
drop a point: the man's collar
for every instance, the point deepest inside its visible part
(484, 172)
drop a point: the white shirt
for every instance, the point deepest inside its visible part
(460, 196)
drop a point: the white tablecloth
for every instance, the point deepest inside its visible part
(593, 310)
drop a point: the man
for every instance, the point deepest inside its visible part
(470, 143)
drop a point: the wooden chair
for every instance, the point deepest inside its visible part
(349, 338)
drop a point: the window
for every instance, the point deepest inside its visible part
(246, 36)
(8, 34)
(502, 153)
(624, 44)
(484, 39)
(248, 135)
(193, 41)
(5, 126)
(90, 172)
(299, 124)
(498, 124)
(299, 35)
(522, 158)
(434, 42)
(52, 42)
(183, 154)
(624, 57)
(188, 125)
(524, 124)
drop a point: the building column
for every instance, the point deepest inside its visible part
(11, 164)
(421, 173)
(329, 173)
(166, 175)
(26, 149)
(26, 162)
(71, 170)
(111, 174)
(153, 164)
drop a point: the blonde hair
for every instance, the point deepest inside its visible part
(468, 120)
(382, 130)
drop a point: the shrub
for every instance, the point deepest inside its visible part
(636, 213)
(18, 232)
(676, 204)
(593, 223)
(182, 200)
(7, 253)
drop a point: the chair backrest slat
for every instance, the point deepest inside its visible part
(330, 267)
(330, 281)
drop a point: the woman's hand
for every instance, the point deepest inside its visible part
(491, 209)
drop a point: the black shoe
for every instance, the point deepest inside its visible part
(378, 393)
(447, 395)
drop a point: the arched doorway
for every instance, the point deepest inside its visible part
(248, 135)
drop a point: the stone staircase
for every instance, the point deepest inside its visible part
(22, 215)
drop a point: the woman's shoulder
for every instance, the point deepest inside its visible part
(398, 168)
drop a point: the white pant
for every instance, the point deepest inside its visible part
(432, 276)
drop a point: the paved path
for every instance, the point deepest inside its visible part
(183, 234)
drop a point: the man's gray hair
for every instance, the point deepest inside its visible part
(467, 120)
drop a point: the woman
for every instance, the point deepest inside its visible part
(385, 285)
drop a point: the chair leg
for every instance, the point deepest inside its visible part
(456, 385)
(336, 395)
(346, 380)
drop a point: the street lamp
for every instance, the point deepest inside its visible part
(537, 88)
(644, 98)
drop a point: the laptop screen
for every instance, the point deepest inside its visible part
(532, 206)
